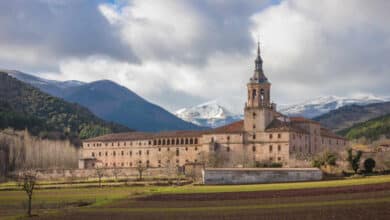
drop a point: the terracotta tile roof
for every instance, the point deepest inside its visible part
(235, 127)
(302, 120)
(145, 135)
(327, 133)
(278, 125)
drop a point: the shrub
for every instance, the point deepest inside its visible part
(354, 160)
(369, 165)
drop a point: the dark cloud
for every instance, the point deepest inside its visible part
(58, 29)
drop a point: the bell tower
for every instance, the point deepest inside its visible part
(258, 110)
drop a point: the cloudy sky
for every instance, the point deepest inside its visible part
(181, 53)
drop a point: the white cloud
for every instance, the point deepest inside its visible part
(179, 53)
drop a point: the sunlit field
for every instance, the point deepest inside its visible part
(339, 198)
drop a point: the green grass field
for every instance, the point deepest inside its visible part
(123, 202)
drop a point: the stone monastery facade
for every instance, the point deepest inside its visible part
(264, 136)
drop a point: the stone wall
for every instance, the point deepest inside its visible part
(259, 175)
(83, 174)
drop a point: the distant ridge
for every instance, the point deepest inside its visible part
(112, 102)
(348, 116)
(23, 106)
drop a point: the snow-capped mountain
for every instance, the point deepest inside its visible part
(53, 87)
(321, 105)
(209, 114)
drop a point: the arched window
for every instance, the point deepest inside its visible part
(261, 95)
(253, 93)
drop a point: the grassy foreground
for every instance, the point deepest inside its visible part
(97, 202)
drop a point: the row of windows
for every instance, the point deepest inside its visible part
(253, 148)
(270, 136)
(131, 164)
(130, 153)
(173, 141)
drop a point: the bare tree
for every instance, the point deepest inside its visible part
(115, 171)
(141, 168)
(27, 180)
(99, 173)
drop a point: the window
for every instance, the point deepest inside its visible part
(254, 137)
(147, 152)
(270, 148)
(228, 138)
(87, 145)
(159, 149)
(150, 142)
(114, 153)
(279, 135)
(253, 93)
(254, 126)
(186, 140)
(163, 142)
(271, 159)
(196, 140)
(140, 152)
(191, 141)
(181, 141)
(106, 153)
(147, 163)
(228, 149)
(270, 136)
(254, 114)
(177, 151)
(279, 148)
(279, 158)
(168, 142)
(122, 153)
(168, 149)
(118, 144)
(196, 148)
(131, 164)
(93, 154)
(131, 153)
(159, 142)
(122, 164)
(154, 142)
(254, 148)
(186, 148)
(100, 154)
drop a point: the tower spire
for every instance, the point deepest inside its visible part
(258, 74)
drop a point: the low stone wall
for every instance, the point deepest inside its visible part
(259, 175)
(67, 174)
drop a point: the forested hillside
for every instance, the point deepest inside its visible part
(23, 106)
(347, 116)
(371, 130)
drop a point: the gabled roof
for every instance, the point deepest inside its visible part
(145, 135)
(302, 120)
(235, 127)
(328, 133)
(278, 125)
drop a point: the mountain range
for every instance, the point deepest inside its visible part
(350, 115)
(24, 106)
(212, 114)
(111, 102)
(209, 114)
(322, 105)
